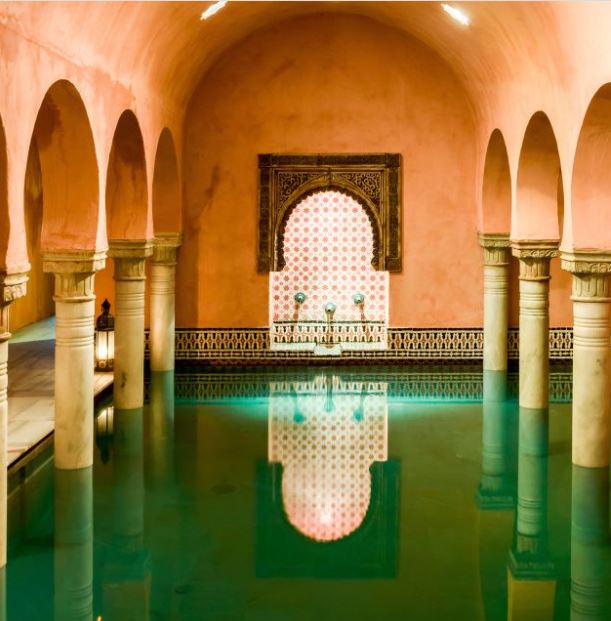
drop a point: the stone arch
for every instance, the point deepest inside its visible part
(591, 182)
(496, 187)
(166, 186)
(343, 187)
(537, 213)
(69, 169)
(126, 182)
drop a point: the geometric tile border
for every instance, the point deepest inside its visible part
(252, 345)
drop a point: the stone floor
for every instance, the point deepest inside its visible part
(30, 392)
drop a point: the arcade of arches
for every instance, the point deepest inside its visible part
(128, 171)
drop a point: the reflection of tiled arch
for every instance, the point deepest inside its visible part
(372, 179)
(327, 438)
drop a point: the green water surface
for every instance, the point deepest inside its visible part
(316, 495)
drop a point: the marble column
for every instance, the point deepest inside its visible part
(74, 353)
(590, 544)
(591, 356)
(12, 286)
(496, 285)
(163, 294)
(534, 259)
(130, 262)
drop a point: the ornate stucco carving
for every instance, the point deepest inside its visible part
(496, 247)
(130, 257)
(165, 246)
(13, 283)
(591, 271)
(74, 271)
(534, 256)
(373, 180)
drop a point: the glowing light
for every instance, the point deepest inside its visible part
(456, 14)
(213, 9)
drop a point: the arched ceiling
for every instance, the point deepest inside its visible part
(168, 47)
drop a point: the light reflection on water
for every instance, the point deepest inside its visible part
(319, 494)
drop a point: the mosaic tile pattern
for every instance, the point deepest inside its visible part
(328, 252)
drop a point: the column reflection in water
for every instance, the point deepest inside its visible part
(73, 550)
(127, 573)
(326, 434)
(496, 490)
(159, 433)
(590, 545)
(496, 493)
(531, 573)
(160, 489)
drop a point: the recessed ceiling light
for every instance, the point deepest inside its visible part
(213, 8)
(456, 14)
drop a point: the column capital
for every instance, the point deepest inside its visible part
(591, 271)
(496, 248)
(165, 246)
(74, 270)
(534, 256)
(13, 283)
(130, 257)
(130, 248)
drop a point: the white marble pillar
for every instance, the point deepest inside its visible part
(534, 259)
(130, 262)
(591, 357)
(12, 286)
(496, 286)
(74, 353)
(163, 294)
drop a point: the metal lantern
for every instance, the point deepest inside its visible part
(105, 339)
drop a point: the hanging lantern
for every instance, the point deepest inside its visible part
(105, 339)
(104, 428)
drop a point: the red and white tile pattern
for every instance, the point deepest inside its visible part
(328, 248)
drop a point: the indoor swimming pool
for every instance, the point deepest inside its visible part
(328, 494)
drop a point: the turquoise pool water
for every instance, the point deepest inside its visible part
(323, 494)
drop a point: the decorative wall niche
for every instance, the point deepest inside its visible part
(373, 180)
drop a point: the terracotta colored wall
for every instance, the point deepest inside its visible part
(338, 84)
(38, 303)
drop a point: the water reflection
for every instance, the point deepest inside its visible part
(590, 545)
(531, 573)
(73, 549)
(327, 433)
(126, 580)
(496, 490)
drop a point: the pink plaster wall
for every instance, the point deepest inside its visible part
(339, 84)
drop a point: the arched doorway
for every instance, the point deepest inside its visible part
(328, 296)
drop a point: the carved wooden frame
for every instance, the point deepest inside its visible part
(372, 179)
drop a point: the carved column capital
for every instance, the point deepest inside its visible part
(13, 283)
(74, 271)
(496, 248)
(534, 256)
(130, 257)
(165, 246)
(591, 271)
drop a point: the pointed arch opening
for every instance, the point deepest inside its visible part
(591, 182)
(69, 170)
(538, 205)
(166, 186)
(126, 182)
(496, 187)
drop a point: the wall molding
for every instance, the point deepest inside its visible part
(252, 345)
